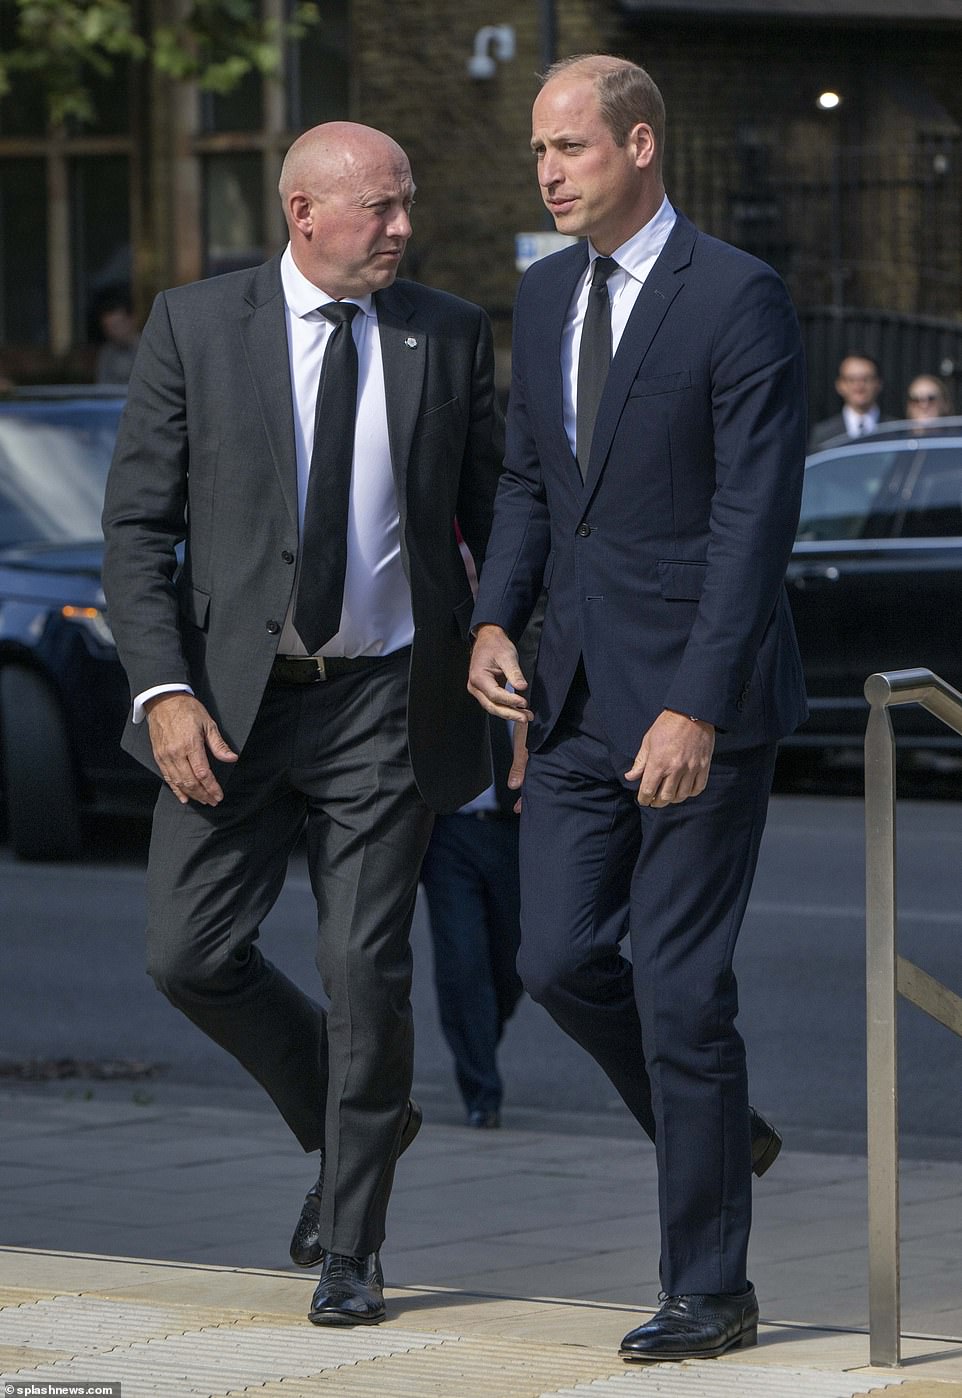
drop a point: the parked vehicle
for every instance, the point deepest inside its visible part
(876, 577)
(63, 694)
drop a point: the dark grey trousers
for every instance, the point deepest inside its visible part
(334, 755)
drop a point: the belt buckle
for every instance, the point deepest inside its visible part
(321, 668)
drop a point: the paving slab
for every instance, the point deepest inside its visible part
(516, 1257)
(180, 1331)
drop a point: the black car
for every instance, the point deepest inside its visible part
(876, 577)
(63, 694)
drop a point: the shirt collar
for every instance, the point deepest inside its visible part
(303, 297)
(639, 251)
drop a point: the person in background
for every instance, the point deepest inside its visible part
(120, 334)
(927, 398)
(858, 384)
(470, 878)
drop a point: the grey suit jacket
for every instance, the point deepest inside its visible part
(205, 458)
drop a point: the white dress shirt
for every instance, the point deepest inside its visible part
(635, 259)
(860, 424)
(377, 616)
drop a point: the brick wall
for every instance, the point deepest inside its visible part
(748, 154)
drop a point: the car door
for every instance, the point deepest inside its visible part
(884, 596)
(849, 506)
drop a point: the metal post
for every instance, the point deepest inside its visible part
(881, 1037)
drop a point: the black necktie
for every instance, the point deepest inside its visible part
(320, 587)
(594, 357)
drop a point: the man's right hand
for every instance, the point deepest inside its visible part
(494, 664)
(182, 733)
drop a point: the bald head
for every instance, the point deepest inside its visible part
(329, 153)
(346, 192)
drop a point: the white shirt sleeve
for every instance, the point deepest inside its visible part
(140, 701)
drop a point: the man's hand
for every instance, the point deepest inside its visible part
(181, 734)
(673, 761)
(494, 664)
(519, 761)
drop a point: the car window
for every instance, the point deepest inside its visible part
(53, 468)
(848, 496)
(933, 491)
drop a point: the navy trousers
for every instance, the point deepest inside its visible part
(596, 867)
(470, 877)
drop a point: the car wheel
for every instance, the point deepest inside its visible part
(40, 786)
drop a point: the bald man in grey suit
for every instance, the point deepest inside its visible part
(306, 664)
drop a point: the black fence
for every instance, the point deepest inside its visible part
(846, 226)
(850, 228)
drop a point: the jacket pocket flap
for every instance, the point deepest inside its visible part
(680, 580)
(660, 383)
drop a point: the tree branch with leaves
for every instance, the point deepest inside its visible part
(215, 43)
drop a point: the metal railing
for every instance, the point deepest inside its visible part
(889, 975)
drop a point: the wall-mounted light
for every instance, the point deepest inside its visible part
(829, 100)
(492, 44)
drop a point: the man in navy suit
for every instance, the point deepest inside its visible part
(656, 500)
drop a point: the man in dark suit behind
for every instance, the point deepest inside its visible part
(309, 430)
(858, 384)
(656, 500)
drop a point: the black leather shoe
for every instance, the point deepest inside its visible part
(306, 1247)
(766, 1142)
(484, 1121)
(350, 1291)
(695, 1327)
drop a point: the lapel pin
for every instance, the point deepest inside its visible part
(411, 342)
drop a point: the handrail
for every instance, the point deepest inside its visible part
(889, 975)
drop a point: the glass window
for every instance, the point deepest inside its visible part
(239, 110)
(23, 110)
(53, 469)
(100, 217)
(934, 508)
(110, 95)
(233, 216)
(319, 70)
(849, 496)
(23, 252)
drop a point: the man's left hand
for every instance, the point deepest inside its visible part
(673, 761)
(519, 761)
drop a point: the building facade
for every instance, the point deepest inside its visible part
(858, 206)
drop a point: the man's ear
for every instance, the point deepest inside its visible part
(642, 141)
(300, 207)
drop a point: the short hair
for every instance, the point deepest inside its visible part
(859, 354)
(626, 94)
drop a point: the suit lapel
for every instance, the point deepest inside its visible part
(662, 285)
(264, 334)
(404, 358)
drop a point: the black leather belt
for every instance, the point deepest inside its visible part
(312, 669)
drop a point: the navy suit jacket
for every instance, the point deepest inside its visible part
(665, 568)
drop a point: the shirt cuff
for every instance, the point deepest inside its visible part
(140, 701)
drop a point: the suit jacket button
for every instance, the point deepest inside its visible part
(273, 627)
(584, 530)
(287, 556)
